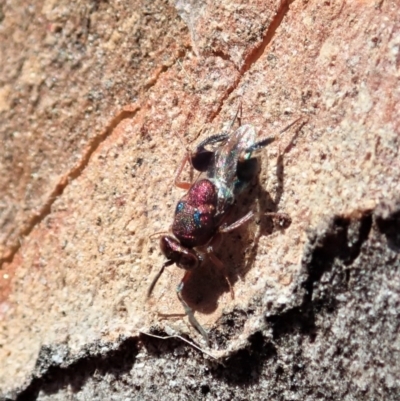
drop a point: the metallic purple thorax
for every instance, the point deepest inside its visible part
(194, 221)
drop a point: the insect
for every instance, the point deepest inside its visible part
(202, 214)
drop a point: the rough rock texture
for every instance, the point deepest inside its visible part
(95, 102)
(336, 339)
(65, 72)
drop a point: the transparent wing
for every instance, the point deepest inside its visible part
(227, 156)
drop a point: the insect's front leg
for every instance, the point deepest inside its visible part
(214, 243)
(188, 310)
(200, 160)
(281, 220)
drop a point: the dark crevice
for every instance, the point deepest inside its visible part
(53, 377)
(128, 112)
(300, 320)
(245, 366)
(387, 219)
(229, 325)
(255, 55)
(341, 241)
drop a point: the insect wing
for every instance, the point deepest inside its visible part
(223, 172)
(227, 157)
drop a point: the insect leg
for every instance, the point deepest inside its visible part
(211, 140)
(282, 220)
(226, 229)
(215, 241)
(260, 144)
(177, 182)
(266, 141)
(189, 310)
(202, 158)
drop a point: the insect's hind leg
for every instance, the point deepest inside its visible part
(247, 167)
(260, 144)
(246, 170)
(188, 310)
(202, 158)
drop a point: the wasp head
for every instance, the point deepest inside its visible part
(183, 257)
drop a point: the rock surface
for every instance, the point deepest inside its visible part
(95, 102)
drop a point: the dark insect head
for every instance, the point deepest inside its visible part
(183, 257)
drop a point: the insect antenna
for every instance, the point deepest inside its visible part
(290, 144)
(266, 141)
(238, 115)
(181, 338)
(158, 233)
(291, 125)
(158, 275)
